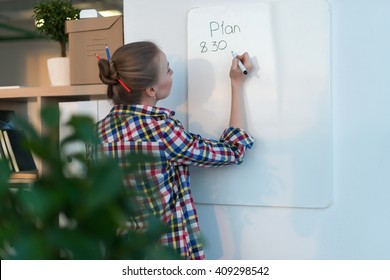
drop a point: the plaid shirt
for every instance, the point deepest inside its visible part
(153, 131)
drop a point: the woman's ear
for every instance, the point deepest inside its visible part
(151, 92)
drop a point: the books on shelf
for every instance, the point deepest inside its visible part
(6, 122)
(19, 155)
(14, 150)
(23, 176)
(4, 151)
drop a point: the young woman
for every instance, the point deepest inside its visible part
(138, 76)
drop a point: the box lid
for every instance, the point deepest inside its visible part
(88, 24)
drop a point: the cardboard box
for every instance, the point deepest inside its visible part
(88, 37)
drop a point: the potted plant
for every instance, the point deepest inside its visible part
(50, 17)
(94, 208)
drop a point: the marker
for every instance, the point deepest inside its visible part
(98, 56)
(108, 53)
(242, 67)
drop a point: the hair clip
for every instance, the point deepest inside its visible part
(124, 85)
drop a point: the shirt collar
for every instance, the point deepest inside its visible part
(142, 110)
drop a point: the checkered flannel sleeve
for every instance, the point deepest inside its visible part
(191, 149)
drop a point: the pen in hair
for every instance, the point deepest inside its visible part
(108, 53)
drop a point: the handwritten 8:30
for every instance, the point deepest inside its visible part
(213, 46)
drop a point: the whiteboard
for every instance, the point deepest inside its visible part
(288, 99)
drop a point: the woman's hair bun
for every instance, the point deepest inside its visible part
(107, 72)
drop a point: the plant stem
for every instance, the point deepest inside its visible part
(63, 49)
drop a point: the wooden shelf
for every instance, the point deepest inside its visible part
(24, 93)
(28, 102)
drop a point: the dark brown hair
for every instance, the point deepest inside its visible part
(136, 65)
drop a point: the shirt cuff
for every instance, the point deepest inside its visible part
(237, 136)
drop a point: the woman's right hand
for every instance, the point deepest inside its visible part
(236, 75)
(238, 78)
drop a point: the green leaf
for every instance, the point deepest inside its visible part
(95, 207)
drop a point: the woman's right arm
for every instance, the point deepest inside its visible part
(187, 148)
(238, 78)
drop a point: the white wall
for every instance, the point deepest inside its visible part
(23, 63)
(357, 224)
